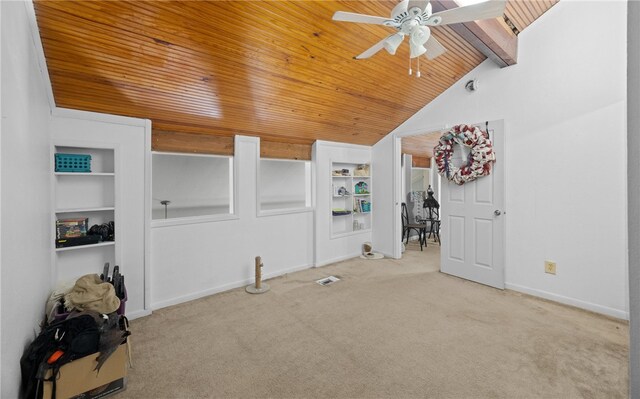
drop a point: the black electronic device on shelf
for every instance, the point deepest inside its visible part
(106, 231)
(76, 241)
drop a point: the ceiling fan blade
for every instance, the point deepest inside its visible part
(434, 48)
(373, 49)
(486, 10)
(421, 4)
(399, 9)
(360, 18)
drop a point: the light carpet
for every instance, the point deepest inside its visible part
(388, 329)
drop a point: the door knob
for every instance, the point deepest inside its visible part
(497, 212)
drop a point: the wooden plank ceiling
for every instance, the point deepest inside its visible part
(281, 70)
(420, 147)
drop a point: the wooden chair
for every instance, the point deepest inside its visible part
(407, 226)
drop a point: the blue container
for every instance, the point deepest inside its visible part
(73, 162)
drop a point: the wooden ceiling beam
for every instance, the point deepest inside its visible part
(191, 143)
(273, 149)
(230, 132)
(196, 143)
(488, 36)
(420, 162)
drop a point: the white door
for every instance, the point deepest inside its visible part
(473, 219)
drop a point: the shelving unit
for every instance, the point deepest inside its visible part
(100, 244)
(90, 195)
(357, 221)
(83, 174)
(84, 210)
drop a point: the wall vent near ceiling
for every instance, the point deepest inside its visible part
(511, 25)
(327, 280)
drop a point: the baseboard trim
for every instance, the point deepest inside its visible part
(286, 271)
(197, 295)
(386, 255)
(338, 259)
(221, 288)
(618, 314)
(139, 313)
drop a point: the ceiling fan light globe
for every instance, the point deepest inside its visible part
(420, 35)
(392, 43)
(417, 50)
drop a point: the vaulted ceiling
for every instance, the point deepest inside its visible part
(281, 70)
(420, 147)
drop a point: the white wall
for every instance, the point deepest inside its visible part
(198, 259)
(420, 178)
(633, 171)
(407, 187)
(25, 201)
(1, 47)
(435, 180)
(407, 161)
(385, 197)
(564, 110)
(328, 249)
(131, 138)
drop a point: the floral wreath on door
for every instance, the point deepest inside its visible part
(480, 159)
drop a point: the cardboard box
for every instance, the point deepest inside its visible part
(78, 379)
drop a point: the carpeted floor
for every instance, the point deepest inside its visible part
(389, 329)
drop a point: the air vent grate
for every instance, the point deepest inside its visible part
(327, 280)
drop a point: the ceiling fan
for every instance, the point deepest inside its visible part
(413, 18)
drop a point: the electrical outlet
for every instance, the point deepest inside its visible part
(549, 267)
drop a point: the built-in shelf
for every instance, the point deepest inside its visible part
(349, 233)
(354, 222)
(84, 174)
(100, 244)
(84, 195)
(83, 210)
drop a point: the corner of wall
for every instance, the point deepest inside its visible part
(25, 197)
(41, 59)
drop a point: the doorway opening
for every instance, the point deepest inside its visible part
(420, 196)
(471, 222)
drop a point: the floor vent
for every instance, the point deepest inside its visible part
(327, 280)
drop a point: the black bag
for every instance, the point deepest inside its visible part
(104, 230)
(68, 339)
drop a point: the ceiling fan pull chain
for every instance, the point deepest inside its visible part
(418, 72)
(410, 71)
